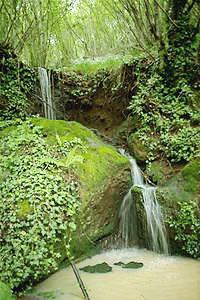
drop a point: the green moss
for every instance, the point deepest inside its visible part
(156, 172)
(98, 161)
(65, 131)
(24, 209)
(192, 169)
(5, 292)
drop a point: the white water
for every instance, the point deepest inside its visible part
(157, 240)
(45, 85)
(161, 278)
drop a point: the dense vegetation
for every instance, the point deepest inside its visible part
(39, 201)
(146, 51)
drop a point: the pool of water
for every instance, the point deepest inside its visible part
(161, 278)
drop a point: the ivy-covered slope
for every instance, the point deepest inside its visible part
(55, 177)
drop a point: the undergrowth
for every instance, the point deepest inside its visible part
(168, 110)
(39, 201)
(17, 81)
(186, 225)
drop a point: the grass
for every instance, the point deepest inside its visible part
(92, 65)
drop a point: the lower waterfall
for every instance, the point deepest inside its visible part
(157, 240)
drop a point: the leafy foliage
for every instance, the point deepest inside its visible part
(38, 205)
(168, 113)
(187, 227)
(17, 82)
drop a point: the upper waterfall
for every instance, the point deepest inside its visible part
(157, 239)
(45, 85)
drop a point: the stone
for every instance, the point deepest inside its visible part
(133, 265)
(129, 265)
(99, 268)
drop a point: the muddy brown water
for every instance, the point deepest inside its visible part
(161, 278)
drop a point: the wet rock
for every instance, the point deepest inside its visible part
(129, 265)
(120, 263)
(99, 268)
(133, 265)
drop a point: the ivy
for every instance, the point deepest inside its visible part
(187, 227)
(39, 201)
(169, 115)
(17, 81)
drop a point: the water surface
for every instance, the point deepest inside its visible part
(161, 278)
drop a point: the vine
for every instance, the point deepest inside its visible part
(187, 227)
(17, 81)
(38, 205)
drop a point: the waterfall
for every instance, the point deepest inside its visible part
(155, 225)
(45, 85)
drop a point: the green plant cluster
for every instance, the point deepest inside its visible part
(186, 225)
(169, 114)
(17, 81)
(39, 201)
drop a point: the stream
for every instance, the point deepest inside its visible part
(161, 278)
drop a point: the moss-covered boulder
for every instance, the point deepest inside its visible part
(5, 292)
(60, 185)
(180, 204)
(102, 172)
(180, 200)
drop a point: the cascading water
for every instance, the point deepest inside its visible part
(45, 85)
(155, 225)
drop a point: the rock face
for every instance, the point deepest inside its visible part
(103, 178)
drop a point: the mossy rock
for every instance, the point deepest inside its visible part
(182, 189)
(99, 268)
(142, 234)
(191, 176)
(5, 292)
(103, 177)
(158, 172)
(103, 174)
(137, 148)
(192, 169)
(130, 265)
